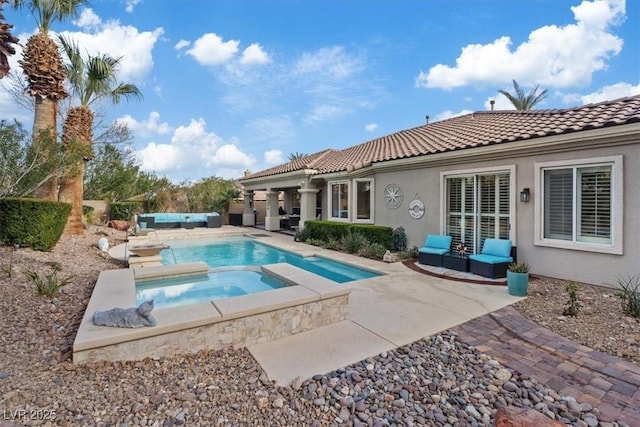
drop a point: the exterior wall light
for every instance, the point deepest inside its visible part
(524, 195)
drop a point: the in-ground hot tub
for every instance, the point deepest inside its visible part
(162, 220)
(308, 302)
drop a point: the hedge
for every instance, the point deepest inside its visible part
(333, 230)
(33, 223)
(123, 211)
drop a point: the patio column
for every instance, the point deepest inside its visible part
(272, 219)
(288, 201)
(307, 204)
(248, 217)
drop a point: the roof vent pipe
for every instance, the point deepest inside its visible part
(427, 118)
(492, 102)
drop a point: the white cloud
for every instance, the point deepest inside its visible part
(273, 157)
(211, 50)
(501, 103)
(195, 152)
(333, 63)
(195, 131)
(553, 56)
(371, 127)
(160, 158)
(148, 127)
(87, 20)
(131, 4)
(618, 90)
(182, 44)
(448, 114)
(127, 42)
(254, 54)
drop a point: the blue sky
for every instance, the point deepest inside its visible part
(235, 85)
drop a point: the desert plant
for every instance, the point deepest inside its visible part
(8, 269)
(573, 305)
(50, 284)
(630, 294)
(315, 242)
(398, 239)
(518, 267)
(333, 244)
(373, 251)
(352, 241)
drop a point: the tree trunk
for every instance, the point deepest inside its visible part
(45, 121)
(76, 134)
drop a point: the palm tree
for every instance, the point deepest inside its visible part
(6, 40)
(522, 101)
(45, 73)
(296, 155)
(90, 81)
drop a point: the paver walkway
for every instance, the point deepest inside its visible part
(608, 383)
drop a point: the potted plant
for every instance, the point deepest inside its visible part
(518, 279)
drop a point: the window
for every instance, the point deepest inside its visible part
(579, 208)
(364, 200)
(339, 200)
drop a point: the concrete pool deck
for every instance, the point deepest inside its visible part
(385, 312)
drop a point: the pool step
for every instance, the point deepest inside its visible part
(144, 261)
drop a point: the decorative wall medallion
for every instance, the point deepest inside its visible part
(393, 195)
(416, 209)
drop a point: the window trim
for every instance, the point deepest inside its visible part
(617, 205)
(372, 193)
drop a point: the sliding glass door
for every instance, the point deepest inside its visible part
(477, 208)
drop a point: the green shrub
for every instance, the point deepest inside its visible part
(33, 223)
(50, 284)
(630, 295)
(301, 235)
(123, 211)
(88, 212)
(333, 244)
(409, 253)
(326, 230)
(353, 241)
(315, 242)
(373, 250)
(573, 305)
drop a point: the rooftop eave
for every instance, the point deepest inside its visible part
(268, 179)
(621, 134)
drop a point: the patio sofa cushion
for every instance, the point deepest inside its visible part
(490, 259)
(434, 247)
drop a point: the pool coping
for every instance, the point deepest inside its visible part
(116, 288)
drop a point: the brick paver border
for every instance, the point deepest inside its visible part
(610, 384)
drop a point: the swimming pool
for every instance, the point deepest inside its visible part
(191, 289)
(235, 251)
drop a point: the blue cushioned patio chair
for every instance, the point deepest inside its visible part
(434, 247)
(493, 260)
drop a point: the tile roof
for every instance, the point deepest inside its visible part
(471, 130)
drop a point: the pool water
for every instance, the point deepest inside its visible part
(245, 251)
(184, 290)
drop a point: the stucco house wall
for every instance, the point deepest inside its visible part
(604, 269)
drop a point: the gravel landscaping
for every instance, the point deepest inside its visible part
(435, 381)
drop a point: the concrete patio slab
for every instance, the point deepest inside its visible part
(317, 351)
(384, 312)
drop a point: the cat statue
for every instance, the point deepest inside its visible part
(126, 317)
